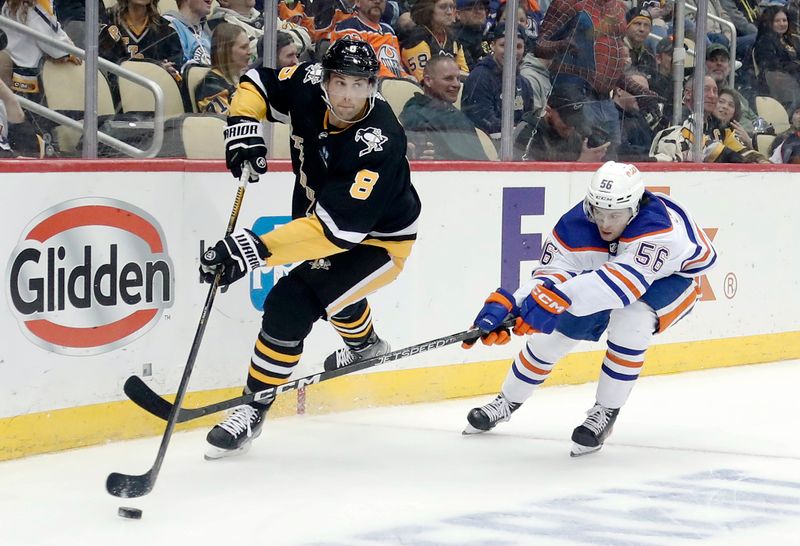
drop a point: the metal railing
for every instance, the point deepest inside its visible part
(158, 94)
(724, 22)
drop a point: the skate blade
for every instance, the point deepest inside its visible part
(214, 453)
(579, 450)
(471, 430)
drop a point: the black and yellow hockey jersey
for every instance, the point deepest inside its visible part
(352, 186)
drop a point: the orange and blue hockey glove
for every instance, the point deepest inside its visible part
(540, 310)
(489, 321)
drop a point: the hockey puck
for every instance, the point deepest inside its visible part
(130, 513)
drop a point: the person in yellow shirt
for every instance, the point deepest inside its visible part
(432, 36)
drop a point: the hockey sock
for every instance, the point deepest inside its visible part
(272, 362)
(354, 324)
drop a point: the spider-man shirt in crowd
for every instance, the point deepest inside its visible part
(585, 39)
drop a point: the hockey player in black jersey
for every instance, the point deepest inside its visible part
(354, 208)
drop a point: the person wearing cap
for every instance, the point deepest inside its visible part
(718, 66)
(468, 29)
(638, 28)
(637, 136)
(433, 36)
(482, 97)
(435, 127)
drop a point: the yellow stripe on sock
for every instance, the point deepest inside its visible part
(357, 322)
(275, 355)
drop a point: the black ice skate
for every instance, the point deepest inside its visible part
(486, 417)
(346, 356)
(589, 437)
(234, 435)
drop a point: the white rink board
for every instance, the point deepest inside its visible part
(456, 262)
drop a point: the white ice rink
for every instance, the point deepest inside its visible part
(709, 458)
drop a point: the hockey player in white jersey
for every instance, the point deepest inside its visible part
(623, 261)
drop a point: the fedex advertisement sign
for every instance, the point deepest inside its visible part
(517, 246)
(89, 275)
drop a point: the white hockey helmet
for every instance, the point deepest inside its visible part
(614, 186)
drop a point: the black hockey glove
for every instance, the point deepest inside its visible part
(237, 254)
(244, 143)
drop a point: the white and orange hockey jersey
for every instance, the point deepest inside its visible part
(382, 39)
(662, 240)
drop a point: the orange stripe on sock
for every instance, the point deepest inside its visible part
(622, 362)
(530, 366)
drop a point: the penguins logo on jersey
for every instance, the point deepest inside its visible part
(373, 138)
(313, 74)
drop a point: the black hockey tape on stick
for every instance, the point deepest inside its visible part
(131, 485)
(147, 399)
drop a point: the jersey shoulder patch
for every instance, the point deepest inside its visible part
(653, 219)
(577, 234)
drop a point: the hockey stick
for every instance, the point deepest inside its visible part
(143, 396)
(127, 485)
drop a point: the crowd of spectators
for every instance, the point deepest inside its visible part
(594, 78)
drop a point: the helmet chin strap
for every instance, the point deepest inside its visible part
(332, 110)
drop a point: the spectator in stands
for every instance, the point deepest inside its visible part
(718, 66)
(720, 144)
(72, 16)
(536, 72)
(551, 135)
(729, 114)
(299, 27)
(432, 36)
(786, 146)
(585, 42)
(435, 127)
(745, 28)
(637, 30)
(366, 25)
(190, 23)
(27, 53)
(241, 13)
(137, 31)
(230, 56)
(285, 50)
(481, 100)
(17, 136)
(777, 53)
(327, 14)
(468, 30)
(636, 134)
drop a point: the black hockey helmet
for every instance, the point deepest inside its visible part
(351, 58)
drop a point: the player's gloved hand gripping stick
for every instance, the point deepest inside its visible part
(126, 485)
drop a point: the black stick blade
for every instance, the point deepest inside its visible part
(143, 396)
(126, 486)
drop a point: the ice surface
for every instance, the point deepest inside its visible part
(709, 458)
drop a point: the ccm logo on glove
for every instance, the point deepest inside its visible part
(550, 300)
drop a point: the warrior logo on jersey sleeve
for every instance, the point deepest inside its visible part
(373, 138)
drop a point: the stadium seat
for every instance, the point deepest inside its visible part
(488, 145)
(135, 98)
(774, 112)
(194, 74)
(280, 141)
(762, 144)
(397, 91)
(63, 85)
(201, 135)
